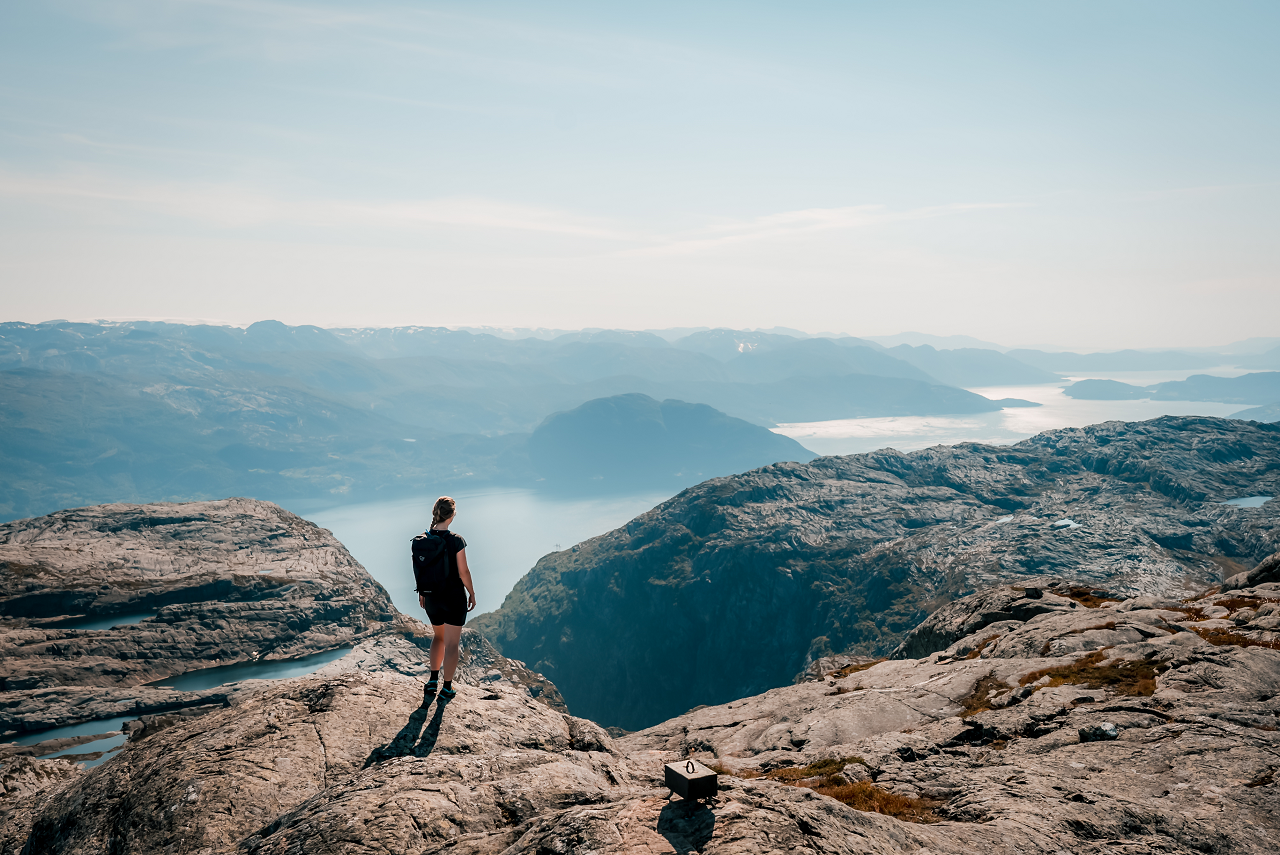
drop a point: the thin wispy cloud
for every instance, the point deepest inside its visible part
(466, 42)
(791, 224)
(233, 206)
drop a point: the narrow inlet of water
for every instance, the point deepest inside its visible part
(109, 744)
(1003, 427)
(103, 621)
(87, 728)
(276, 669)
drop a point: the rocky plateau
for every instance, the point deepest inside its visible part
(1062, 723)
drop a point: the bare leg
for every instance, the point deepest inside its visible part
(437, 645)
(449, 636)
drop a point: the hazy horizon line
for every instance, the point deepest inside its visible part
(513, 331)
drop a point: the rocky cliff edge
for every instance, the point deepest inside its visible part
(194, 585)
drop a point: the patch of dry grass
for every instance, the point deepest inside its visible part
(1137, 679)
(824, 776)
(853, 669)
(1234, 603)
(721, 769)
(1192, 612)
(1223, 637)
(828, 768)
(866, 796)
(979, 700)
(1085, 596)
(977, 651)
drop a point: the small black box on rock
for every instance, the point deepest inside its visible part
(691, 780)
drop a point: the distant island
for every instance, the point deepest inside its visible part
(632, 440)
(1245, 389)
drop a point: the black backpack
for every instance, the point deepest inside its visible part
(430, 562)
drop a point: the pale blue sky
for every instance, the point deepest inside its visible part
(1091, 174)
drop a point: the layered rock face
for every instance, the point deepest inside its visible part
(736, 585)
(228, 581)
(1146, 725)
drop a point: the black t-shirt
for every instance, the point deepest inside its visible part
(453, 543)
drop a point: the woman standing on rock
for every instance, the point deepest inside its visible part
(447, 604)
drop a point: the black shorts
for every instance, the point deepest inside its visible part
(447, 607)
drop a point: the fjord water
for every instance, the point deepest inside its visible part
(1056, 410)
(507, 531)
(109, 744)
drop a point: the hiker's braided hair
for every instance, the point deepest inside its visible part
(444, 509)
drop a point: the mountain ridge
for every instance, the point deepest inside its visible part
(846, 554)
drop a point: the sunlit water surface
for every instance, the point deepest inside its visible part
(1056, 410)
(507, 531)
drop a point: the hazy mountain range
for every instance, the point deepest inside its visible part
(144, 411)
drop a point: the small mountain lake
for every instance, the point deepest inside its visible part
(1249, 501)
(203, 678)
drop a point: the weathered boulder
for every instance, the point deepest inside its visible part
(1100, 732)
(1268, 570)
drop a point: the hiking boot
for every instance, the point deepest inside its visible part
(429, 691)
(448, 694)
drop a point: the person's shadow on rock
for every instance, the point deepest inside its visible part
(432, 732)
(402, 744)
(687, 825)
